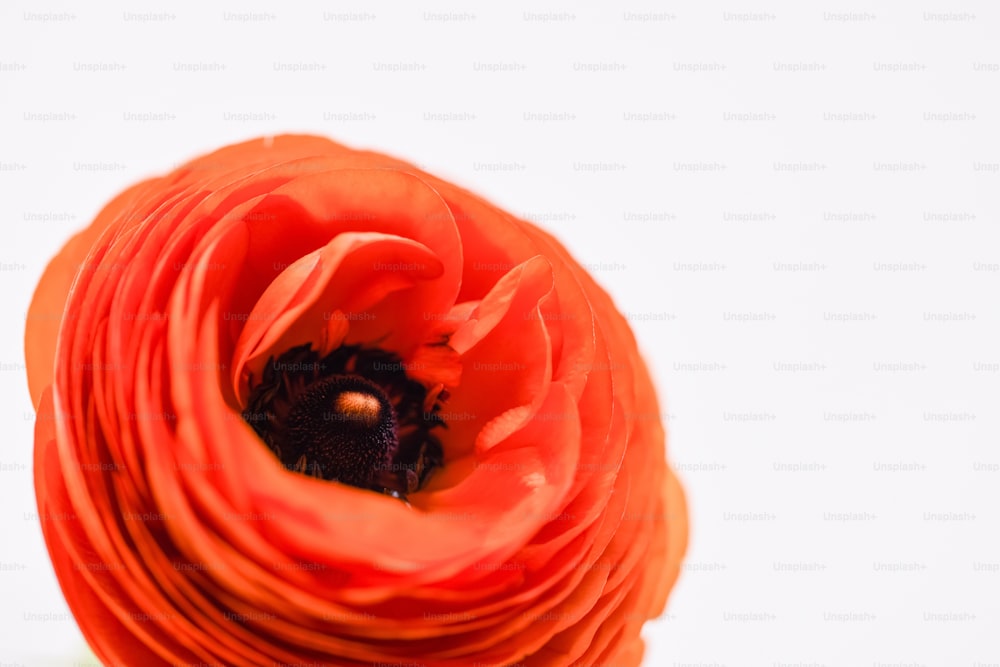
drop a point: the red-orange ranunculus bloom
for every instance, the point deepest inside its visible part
(301, 404)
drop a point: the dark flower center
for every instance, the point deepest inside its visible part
(352, 416)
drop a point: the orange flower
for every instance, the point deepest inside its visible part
(300, 404)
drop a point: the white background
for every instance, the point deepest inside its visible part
(805, 193)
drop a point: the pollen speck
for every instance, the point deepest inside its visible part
(358, 406)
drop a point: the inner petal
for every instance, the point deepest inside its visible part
(318, 298)
(506, 362)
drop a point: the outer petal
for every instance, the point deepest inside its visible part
(45, 314)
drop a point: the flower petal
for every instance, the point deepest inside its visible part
(313, 300)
